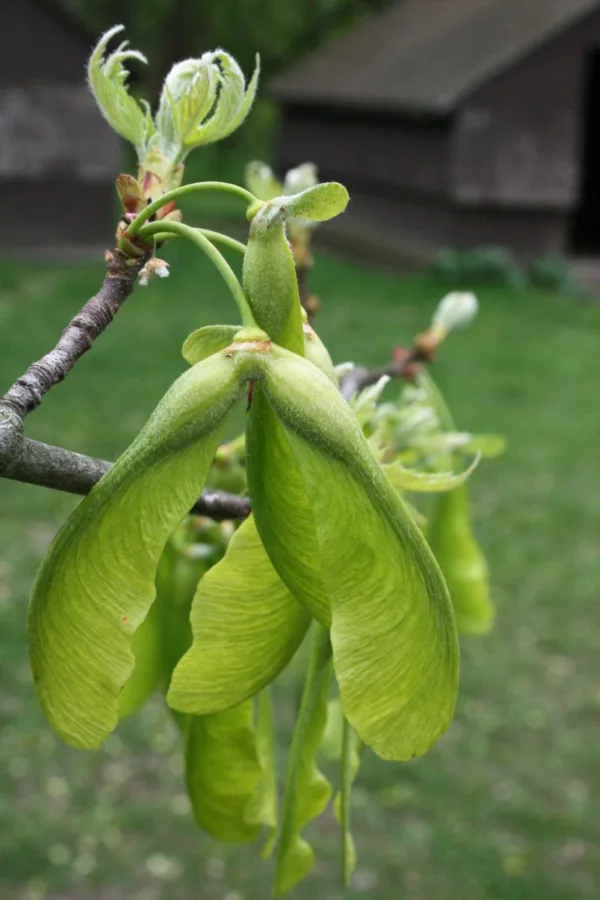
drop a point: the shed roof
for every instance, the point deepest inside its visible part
(425, 56)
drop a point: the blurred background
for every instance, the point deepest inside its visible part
(468, 134)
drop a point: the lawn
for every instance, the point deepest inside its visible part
(505, 806)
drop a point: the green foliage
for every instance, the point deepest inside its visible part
(481, 265)
(386, 594)
(553, 273)
(329, 539)
(246, 627)
(96, 584)
(224, 773)
(498, 266)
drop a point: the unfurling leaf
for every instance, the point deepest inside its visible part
(426, 482)
(394, 639)
(107, 78)
(307, 791)
(246, 627)
(462, 561)
(96, 584)
(205, 341)
(223, 772)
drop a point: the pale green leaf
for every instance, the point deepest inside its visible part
(223, 772)
(232, 104)
(281, 507)
(107, 78)
(96, 584)
(464, 566)
(307, 791)
(394, 639)
(246, 627)
(426, 482)
(208, 340)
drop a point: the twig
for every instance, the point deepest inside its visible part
(406, 364)
(26, 393)
(34, 462)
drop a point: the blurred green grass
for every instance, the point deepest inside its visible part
(504, 807)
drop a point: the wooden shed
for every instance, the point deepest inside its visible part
(58, 158)
(457, 123)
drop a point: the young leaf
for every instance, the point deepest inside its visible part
(147, 670)
(223, 772)
(208, 340)
(307, 791)
(107, 78)
(96, 584)
(394, 639)
(281, 508)
(426, 482)
(246, 627)
(462, 561)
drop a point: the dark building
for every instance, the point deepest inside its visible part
(457, 123)
(58, 158)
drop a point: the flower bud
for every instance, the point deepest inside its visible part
(456, 310)
(154, 268)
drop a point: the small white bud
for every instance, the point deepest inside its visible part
(154, 268)
(455, 311)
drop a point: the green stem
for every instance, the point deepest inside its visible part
(227, 273)
(215, 236)
(153, 207)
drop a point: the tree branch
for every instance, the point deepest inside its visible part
(26, 393)
(34, 462)
(406, 364)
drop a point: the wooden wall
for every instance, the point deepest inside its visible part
(517, 140)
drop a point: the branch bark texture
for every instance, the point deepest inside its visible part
(34, 462)
(26, 393)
